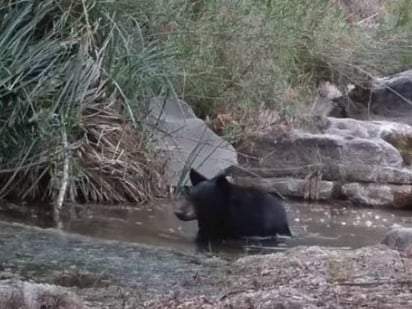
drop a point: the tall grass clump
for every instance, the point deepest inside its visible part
(273, 54)
(73, 76)
(249, 54)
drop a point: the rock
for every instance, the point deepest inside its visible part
(389, 98)
(399, 238)
(398, 135)
(371, 159)
(338, 172)
(339, 151)
(309, 189)
(186, 139)
(16, 294)
(382, 195)
(380, 129)
(306, 150)
(369, 173)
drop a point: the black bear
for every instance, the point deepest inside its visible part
(228, 211)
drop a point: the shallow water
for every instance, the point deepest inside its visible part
(339, 225)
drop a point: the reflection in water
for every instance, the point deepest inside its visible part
(338, 225)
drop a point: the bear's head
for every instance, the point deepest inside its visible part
(206, 198)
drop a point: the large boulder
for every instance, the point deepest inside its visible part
(398, 135)
(186, 140)
(299, 149)
(344, 149)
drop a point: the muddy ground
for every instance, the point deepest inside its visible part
(112, 274)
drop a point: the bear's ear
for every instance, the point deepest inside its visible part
(196, 177)
(222, 184)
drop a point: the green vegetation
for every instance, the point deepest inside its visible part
(273, 53)
(71, 73)
(74, 75)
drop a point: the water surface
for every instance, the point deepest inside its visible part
(339, 225)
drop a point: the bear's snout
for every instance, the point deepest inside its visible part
(184, 211)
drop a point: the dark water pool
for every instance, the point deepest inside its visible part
(334, 225)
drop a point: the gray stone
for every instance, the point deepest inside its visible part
(397, 135)
(379, 195)
(187, 140)
(367, 162)
(338, 172)
(309, 189)
(399, 238)
(306, 150)
(346, 150)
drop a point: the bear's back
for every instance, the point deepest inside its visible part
(254, 212)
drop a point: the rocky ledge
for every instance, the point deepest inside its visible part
(359, 156)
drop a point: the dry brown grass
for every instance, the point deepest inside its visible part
(241, 125)
(114, 160)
